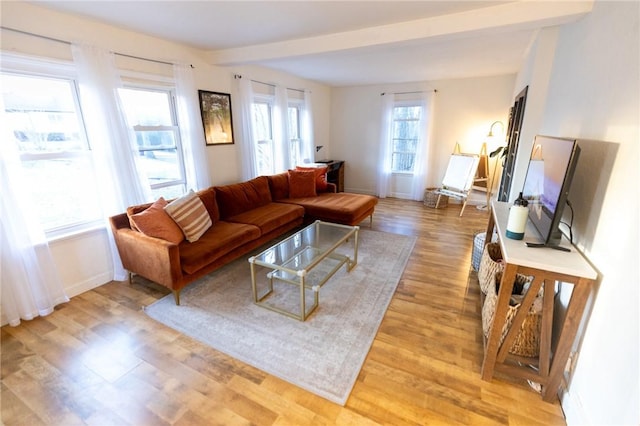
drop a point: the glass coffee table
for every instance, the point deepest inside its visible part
(306, 260)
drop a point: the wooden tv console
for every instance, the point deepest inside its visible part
(547, 266)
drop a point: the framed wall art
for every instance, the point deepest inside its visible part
(215, 109)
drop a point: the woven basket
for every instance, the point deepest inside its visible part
(431, 198)
(490, 265)
(527, 342)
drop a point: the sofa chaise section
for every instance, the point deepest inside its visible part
(342, 207)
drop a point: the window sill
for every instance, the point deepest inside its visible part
(75, 232)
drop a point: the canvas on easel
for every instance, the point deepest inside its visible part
(459, 177)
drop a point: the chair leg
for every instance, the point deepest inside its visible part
(130, 278)
(176, 296)
(371, 221)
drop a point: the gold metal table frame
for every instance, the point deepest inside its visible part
(292, 259)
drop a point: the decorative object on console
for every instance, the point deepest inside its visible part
(518, 214)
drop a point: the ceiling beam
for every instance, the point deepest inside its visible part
(520, 15)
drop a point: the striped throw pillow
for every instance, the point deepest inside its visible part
(190, 214)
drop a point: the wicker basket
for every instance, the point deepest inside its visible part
(527, 342)
(431, 199)
(490, 265)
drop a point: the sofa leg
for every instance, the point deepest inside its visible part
(130, 278)
(176, 296)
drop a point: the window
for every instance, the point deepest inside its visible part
(273, 152)
(47, 128)
(262, 125)
(151, 112)
(406, 135)
(295, 148)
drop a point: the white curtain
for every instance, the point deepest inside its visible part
(307, 149)
(29, 281)
(112, 140)
(191, 134)
(281, 135)
(419, 181)
(386, 136)
(245, 135)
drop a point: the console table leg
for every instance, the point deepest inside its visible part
(499, 319)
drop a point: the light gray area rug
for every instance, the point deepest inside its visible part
(325, 353)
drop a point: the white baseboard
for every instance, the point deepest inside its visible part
(77, 288)
(88, 284)
(573, 409)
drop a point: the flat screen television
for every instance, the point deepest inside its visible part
(546, 187)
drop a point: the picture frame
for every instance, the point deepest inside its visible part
(217, 122)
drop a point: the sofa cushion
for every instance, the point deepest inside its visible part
(190, 214)
(218, 240)
(279, 186)
(155, 222)
(208, 197)
(269, 217)
(302, 184)
(321, 176)
(240, 197)
(342, 207)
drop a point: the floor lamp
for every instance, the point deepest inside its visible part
(493, 139)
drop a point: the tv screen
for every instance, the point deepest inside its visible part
(546, 186)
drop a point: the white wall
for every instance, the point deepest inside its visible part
(592, 94)
(463, 112)
(83, 260)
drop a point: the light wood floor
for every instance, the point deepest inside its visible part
(100, 360)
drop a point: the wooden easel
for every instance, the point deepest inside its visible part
(459, 176)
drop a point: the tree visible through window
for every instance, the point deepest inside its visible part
(406, 135)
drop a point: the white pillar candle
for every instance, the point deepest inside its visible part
(517, 222)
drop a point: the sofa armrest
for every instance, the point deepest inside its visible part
(153, 258)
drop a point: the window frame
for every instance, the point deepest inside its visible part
(295, 144)
(401, 104)
(269, 101)
(57, 70)
(158, 84)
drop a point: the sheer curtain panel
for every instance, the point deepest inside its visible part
(29, 280)
(281, 135)
(307, 150)
(191, 134)
(386, 135)
(111, 139)
(246, 136)
(419, 181)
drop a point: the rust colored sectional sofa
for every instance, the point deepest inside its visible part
(244, 216)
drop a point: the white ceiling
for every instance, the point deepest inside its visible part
(346, 42)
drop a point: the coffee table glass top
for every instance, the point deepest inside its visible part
(304, 249)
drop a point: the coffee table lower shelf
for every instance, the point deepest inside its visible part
(302, 263)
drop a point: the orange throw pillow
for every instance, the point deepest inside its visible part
(155, 222)
(321, 176)
(302, 184)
